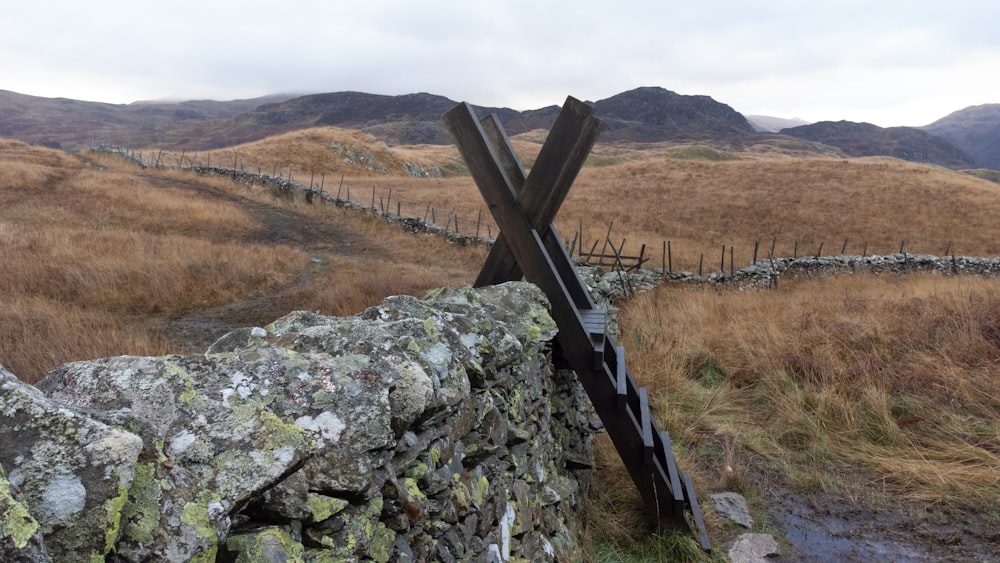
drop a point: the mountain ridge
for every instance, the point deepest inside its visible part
(643, 115)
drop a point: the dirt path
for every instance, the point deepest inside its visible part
(320, 238)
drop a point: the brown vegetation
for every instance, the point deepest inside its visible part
(877, 389)
(105, 261)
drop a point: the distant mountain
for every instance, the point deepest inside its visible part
(72, 124)
(769, 124)
(643, 114)
(865, 139)
(975, 130)
(647, 114)
(654, 114)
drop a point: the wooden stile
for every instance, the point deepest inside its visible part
(529, 246)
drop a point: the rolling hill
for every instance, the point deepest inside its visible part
(975, 130)
(965, 139)
(865, 139)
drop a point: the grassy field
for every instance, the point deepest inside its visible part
(880, 392)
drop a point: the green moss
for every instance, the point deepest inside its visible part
(430, 327)
(534, 332)
(381, 544)
(16, 522)
(482, 490)
(250, 547)
(417, 470)
(282, 434)
(413, 490)
(115, 508)
(195, 515)
(323, 507)
(412, 346)
(141, 514)
(189, 395)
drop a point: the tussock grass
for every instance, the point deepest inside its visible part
(699, 205)
(100, 261)
(894, 378)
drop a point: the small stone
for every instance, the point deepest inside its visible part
(753, 548)
(734, 507)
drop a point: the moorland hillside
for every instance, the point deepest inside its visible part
(870, 397)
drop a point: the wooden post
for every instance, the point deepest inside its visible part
(756, 246)
(701, 261)
(902, 247)
(843, 249)
(722, 265)
(670, 258)
(774, 241)
(820, 251)
(479, 220)
(664, 257)
(373, 197)
(607, 238)
(947, 249)
(426, 212)
(864, 252)
(732, 263)
(795, 250)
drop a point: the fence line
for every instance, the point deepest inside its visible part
(611, 255)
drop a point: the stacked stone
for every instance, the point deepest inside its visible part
(429, 429)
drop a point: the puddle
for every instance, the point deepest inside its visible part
(816, 536)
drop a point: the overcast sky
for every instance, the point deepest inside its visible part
(886, 62)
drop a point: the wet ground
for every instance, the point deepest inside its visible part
(826, 528)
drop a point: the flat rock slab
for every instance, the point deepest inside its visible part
(734, 507)
(753, 548)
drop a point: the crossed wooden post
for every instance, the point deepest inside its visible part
(524, 206)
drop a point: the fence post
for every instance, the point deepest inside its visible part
(756, 246)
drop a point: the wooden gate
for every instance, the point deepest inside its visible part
(524, 207)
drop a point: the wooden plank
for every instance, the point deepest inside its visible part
(673, 474)
(698, 524)
(646, 420)
(500, 264)
(524, 241)
(543, 191)
(621, 373)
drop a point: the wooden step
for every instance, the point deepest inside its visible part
(595, 323)
(646, 421)
(621, 379)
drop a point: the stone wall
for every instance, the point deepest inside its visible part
(418, 430)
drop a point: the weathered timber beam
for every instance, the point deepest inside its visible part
(541, 194)
(525, 243)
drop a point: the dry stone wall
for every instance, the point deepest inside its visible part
(418, 430)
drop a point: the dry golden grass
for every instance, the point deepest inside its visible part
(317, 153)
(101, 261)
(699, 206)
(886, 376)
(894, 378)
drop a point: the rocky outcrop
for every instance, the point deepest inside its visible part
(432, 429)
